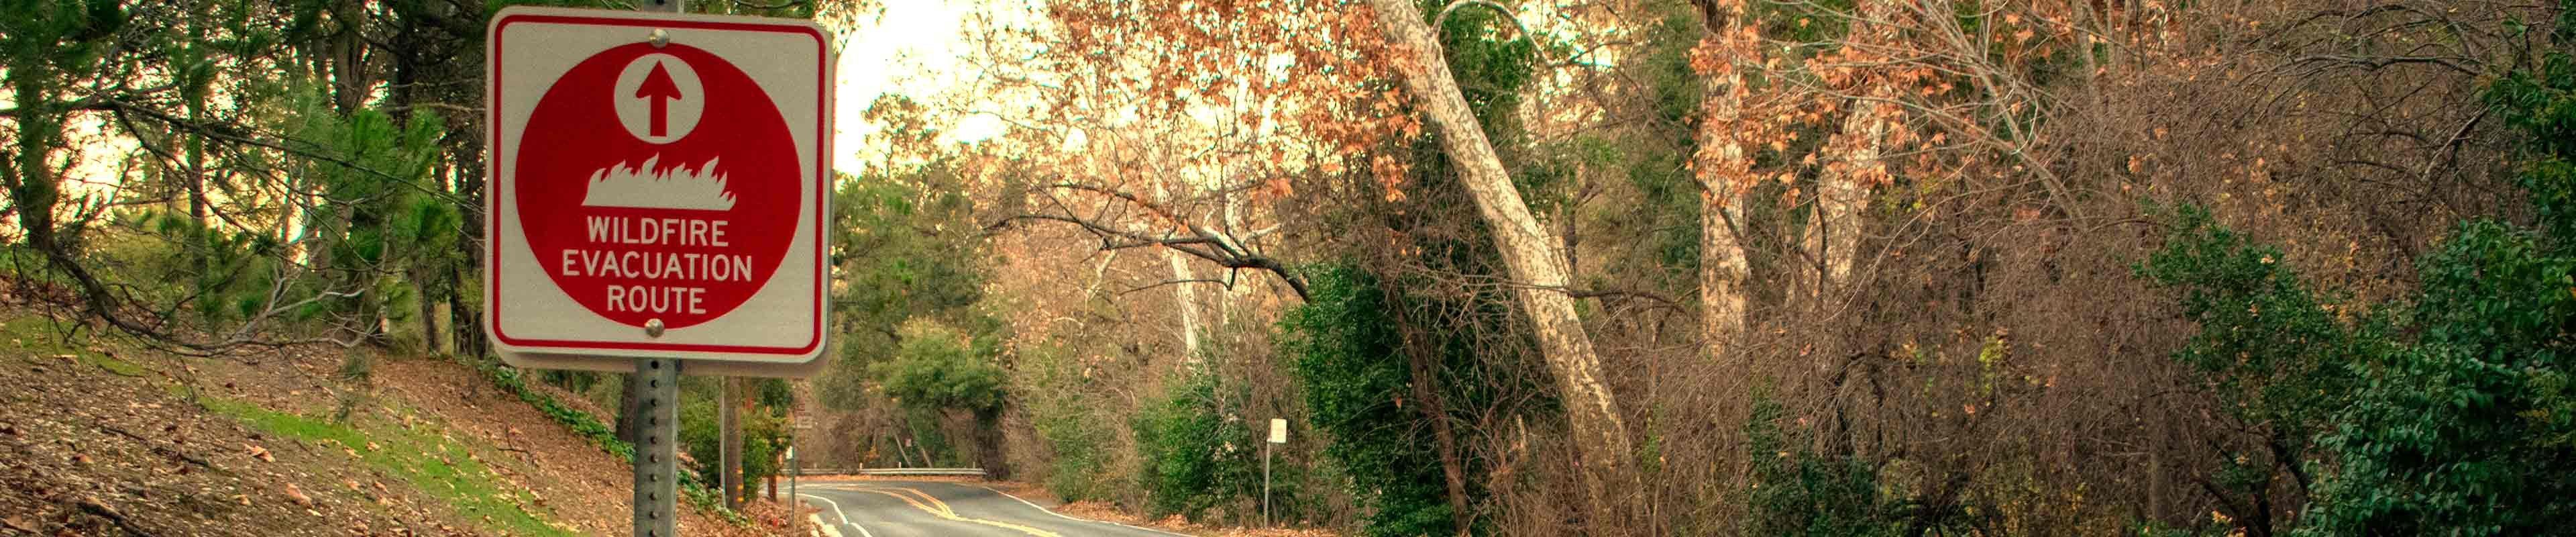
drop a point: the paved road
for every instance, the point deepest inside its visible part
(940, 509)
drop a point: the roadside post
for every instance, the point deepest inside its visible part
(794, 467)
(1278, 435)
(656, 198)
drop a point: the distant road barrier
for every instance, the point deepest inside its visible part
(974, 472)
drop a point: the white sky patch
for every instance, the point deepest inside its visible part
(912, 50)
(677, 187)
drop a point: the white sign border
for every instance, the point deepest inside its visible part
(750, 360)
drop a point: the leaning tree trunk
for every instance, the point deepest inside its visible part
(1530, 252)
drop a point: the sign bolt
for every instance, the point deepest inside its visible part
(659, 38)
(653, 328)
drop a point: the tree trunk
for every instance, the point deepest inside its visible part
(428, 317)
(923, 449)
(33, 189)
(1185, 294)
(466, 320)
(1724, 169)
(349, 82)
(1530, 252)
(425, 282)
(1722, 273)
(1434, 408)
(1225, 294)
(199, 257)
(1722, 277)
(462, 319)
(630, 406)
(1843, 189)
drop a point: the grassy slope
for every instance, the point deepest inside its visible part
(422, 457)
(104, 437)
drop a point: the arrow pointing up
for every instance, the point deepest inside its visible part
(658, 91)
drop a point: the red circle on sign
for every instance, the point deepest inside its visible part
(684, 231)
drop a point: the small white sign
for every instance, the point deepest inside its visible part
(1278, 431)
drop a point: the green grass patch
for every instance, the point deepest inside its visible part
(32, 332)
(433, 463)
(113, 365)
(39, 338)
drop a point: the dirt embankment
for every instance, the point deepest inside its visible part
(106, 437)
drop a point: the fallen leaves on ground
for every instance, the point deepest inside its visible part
(298, 495)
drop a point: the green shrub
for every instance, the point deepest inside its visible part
(763, 435)
(2446, 414)
(1054, 392)
(2472, 429)
(2450, 413)
(2276, 358)
(938, 369)
(2266, 339)
(1195, 455)
(2467, 431)
(1352, 371)
(1797, 491)
(1079, 470)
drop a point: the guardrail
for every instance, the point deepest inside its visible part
(971, 472)
(974, 472)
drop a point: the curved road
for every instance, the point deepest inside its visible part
(944, 509)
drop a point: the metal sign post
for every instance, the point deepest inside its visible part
(657, 465)
(794, 467)
(1278, 435)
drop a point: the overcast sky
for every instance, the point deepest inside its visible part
(911, 51)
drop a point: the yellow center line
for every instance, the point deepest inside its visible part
(925, 497)
(940, 509)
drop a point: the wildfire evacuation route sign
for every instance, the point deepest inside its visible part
(657, 188)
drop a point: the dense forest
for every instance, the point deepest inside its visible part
(1587, 267)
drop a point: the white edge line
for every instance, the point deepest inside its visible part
(821, 528)
(845, 517)
(1071, 517)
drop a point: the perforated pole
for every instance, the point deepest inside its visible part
(657, 507)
